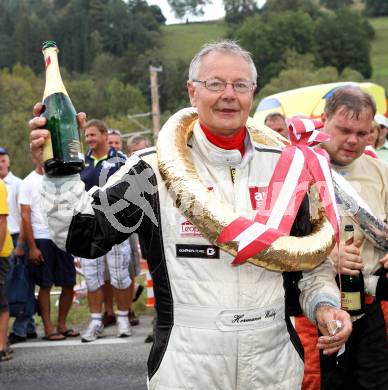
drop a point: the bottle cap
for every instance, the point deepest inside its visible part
(349, 228)
(47, 44)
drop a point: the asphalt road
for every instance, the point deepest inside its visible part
(109, 363)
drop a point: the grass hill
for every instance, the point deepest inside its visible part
(379, 53)
(184, 40)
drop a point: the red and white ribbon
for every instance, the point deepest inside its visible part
(298, 167)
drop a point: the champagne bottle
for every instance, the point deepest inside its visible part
(352, 286)
(62, 152)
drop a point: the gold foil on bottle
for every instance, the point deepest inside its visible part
(48, 153)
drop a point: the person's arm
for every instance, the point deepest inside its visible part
(3, 230)
(19, 250)
(319, 297)
(88, 224)
(35, 254)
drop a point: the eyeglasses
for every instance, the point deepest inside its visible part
(114, 131)
(216, 85)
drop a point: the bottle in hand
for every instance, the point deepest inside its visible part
(352, 286)
(62, 152)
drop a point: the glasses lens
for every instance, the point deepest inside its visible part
(215, 85)
(242, 86)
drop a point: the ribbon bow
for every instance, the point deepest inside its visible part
(299, 166)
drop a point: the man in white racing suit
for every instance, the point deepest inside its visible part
(218, 326)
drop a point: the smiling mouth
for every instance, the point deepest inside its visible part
(227, 110)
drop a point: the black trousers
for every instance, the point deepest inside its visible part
(364, 364)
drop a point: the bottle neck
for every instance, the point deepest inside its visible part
(54, 83)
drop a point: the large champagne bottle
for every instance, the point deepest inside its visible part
(352, 286)
(62, 152)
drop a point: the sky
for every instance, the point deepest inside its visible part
(213, 11)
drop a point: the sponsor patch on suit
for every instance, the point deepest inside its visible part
(198, 251)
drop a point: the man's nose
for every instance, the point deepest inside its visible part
(229, 92)
(352, 139)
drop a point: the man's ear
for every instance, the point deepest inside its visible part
(191, 92)
(323, 117)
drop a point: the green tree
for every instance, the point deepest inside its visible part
(336, 4)
(277, 6)
(238, 10)
(18, 88)
(124, 99)
(269, 38)
(187, 7)
(343, 41)
(376, 7)
(292, 78)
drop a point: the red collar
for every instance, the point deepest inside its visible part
(235, 141)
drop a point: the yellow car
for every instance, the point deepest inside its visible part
(310, 101)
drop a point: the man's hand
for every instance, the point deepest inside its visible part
(39, 134)
(348, 257)
(384, 262)
(36, 256)
(334, 337)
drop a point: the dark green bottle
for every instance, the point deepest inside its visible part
(352, 286)
(62, 153)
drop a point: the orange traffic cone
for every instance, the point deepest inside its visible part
(150, 291)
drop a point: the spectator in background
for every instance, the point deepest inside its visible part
(382, 142)
(137, 142)
(114, 139)
(370, 149)
(5, 251)
(49, 265)
(23, 327)
(102, 161)
(277, 122)
(347, 119)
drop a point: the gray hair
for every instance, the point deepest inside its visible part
(352, 99)
(137, 139)
(225, 47)
(274, 115)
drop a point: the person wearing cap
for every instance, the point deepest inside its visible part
(382, 142)
(23, 328)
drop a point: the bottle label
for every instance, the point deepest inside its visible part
(48, 153)
(351, 300)
(74, 148)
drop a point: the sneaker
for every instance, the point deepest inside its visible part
(93, 332)
(149, 339)
(133, 320)
(4, 356)
(108, 319)
(123, 327)
(13, 338)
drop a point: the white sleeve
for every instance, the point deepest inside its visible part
(318, 286)
(25, 194)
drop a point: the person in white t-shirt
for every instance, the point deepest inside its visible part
(49, 264)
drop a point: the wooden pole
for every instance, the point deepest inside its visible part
(155, 100)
